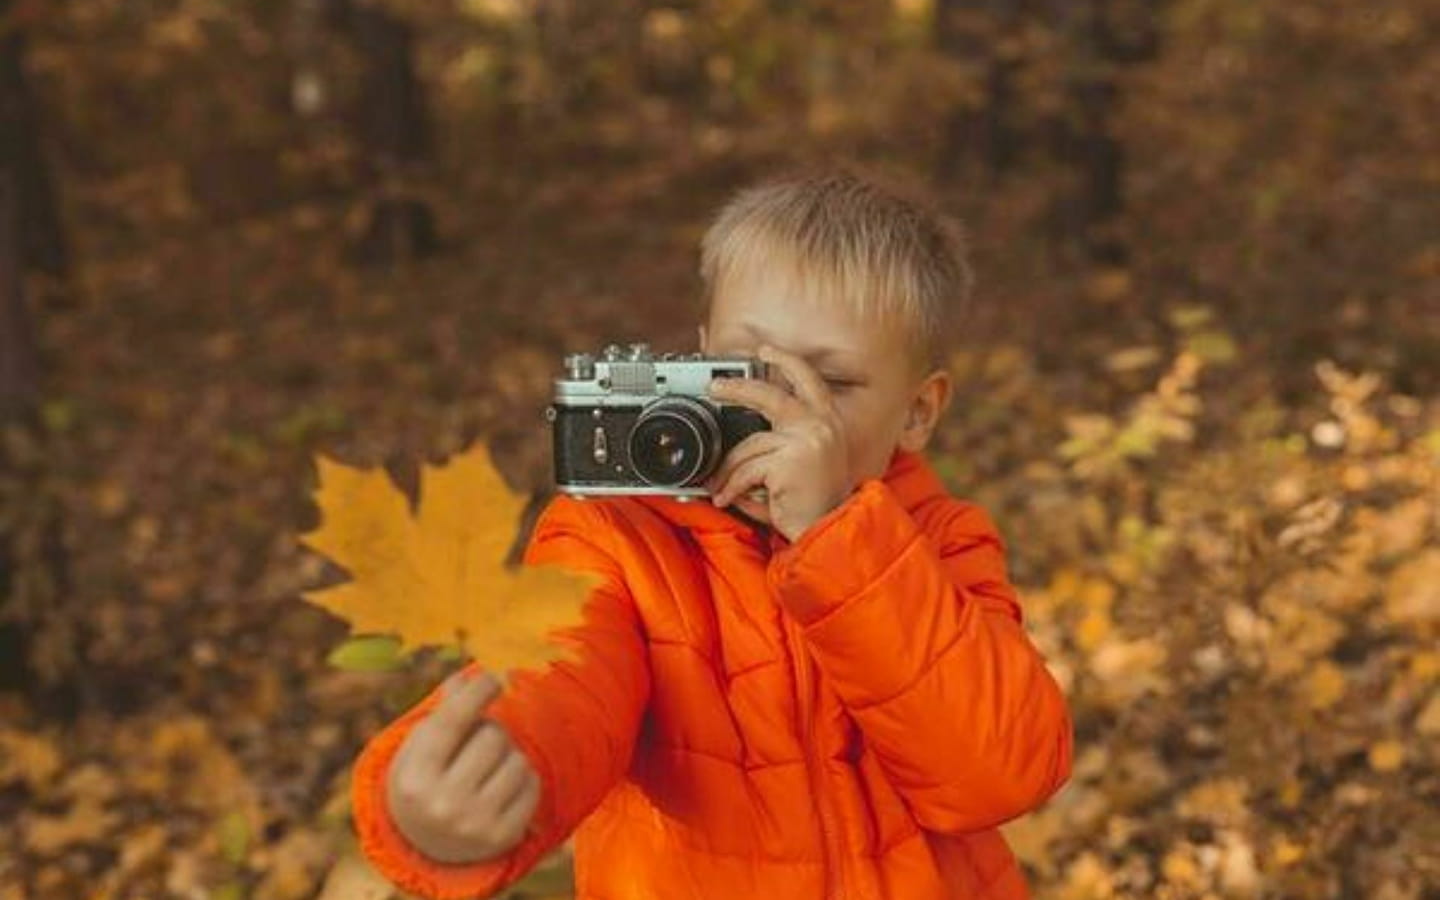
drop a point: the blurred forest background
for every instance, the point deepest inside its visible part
(1200, 397)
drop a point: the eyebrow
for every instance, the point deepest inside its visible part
(813, 354)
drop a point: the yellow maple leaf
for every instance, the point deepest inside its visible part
(438, 578)
(1325, 685)
(1387, 756)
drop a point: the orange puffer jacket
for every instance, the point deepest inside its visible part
(847, 716)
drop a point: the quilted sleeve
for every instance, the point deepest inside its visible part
(920, 633)
(576, 721)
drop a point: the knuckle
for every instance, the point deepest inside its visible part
(498, 774)
(515, 761)
(490, 739)
(406, 801)
(420, 735)
(409, 789)
(495, 834)
(471, 832)
(453, 709)
(440, 809)
(440, 722)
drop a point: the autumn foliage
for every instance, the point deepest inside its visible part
(1244, 612)
(1199, 397)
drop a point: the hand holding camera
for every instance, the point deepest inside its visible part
(631, 423)
(802, 463)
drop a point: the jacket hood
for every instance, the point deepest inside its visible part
(908, 475)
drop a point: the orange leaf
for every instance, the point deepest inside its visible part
(439, 577)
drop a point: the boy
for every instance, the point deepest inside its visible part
(816, 685)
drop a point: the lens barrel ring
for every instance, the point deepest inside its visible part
(699, 435)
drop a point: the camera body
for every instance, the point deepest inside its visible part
(629, 422)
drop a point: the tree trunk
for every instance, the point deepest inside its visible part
(19, 364)
(19, 361)
(20, 620)
(983, 137)
(37, 216)
(391, 127)
(19, 382)
(1104, 36)
(38, 653)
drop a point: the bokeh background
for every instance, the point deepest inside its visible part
(1200, 395)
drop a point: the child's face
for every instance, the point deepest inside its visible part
(868, 369)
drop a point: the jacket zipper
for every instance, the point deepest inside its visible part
(807, 715)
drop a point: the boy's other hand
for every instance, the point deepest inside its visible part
(459, 789)
(802, 462)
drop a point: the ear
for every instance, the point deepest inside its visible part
(701, 331)
(931, 399)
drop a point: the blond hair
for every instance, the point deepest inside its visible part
(852, 236)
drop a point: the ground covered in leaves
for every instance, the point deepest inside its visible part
(1218, 484)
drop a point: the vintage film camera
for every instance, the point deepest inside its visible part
(628, 422)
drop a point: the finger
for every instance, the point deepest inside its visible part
(770, 400)
(740, 479)
(457, 714)
(808, 384)
(479, 757)
(747, 475)
(520, 812)
(755, 444)
(497, 791)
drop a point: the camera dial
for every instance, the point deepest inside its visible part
(579, 367)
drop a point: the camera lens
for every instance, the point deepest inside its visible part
(674, 442)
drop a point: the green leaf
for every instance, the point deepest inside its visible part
(368, 653)
(450, 653)
(1131, 358)
(230, 890)
(1076, 447)
(310, 421)
(57, 415)
(1135, 442)
(554, 880)
(1212, 346)
(247, 450)
(1187, 318)
(233, 833)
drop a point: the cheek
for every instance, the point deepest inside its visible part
(859, 429)
(864, 417)
(871, 431)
